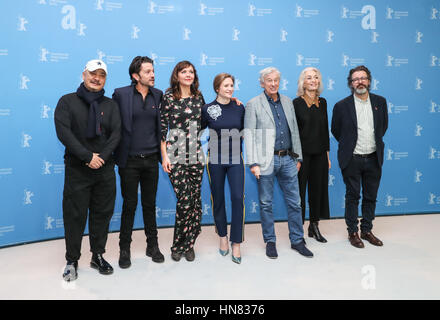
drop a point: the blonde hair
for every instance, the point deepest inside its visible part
(302, 76)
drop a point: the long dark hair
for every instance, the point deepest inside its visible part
(174, 82)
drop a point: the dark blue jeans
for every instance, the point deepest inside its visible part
(365, 173)
(284, 169)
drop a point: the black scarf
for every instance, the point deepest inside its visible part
(93, 99)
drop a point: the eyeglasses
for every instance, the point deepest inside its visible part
(359, 79)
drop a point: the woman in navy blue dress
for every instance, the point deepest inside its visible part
(225, 120)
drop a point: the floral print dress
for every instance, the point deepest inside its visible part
(180, 125)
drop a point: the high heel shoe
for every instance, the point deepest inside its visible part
(314, 232)
(236, 259)
(223, 252)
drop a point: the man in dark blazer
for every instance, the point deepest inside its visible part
(138, 154)
(359, 123)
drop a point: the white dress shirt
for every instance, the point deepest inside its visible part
(366, 142)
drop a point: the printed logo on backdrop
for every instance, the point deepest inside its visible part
(395, 62)
(165, 213)
(204, 10)
(258, 12)
(434, 153)
(375, 84)
(25, 138)
(27, 199)
(434, 107)
(351, 62)
(331, 180)
(300, 12)
(330, 36)
(159, 60)
(418, 85)
(254, 60)
(433, 199)
(154, 8)
(391, 201)
(206, 208)
(418, 37)
(22, 22)
(101, 5)
(51, 223)
(283, 36)
(254, 206)
(24, 80)
(283, 85)
(5, 171)
(3, 52)
(235, 33)
(396, 109)
(306, 61)
(330, 84)
(135, 32)
(45, 109)
(237, 84)
(210, 61)
(434, 62)
(417, 176)
(393, 155)
(109, 59)
(5, 112)
(368, 14)
(434, 13)
(46, 56)
(418, 130)
(52, 2)
(186, 33)
(116, 218)
(392, 14)
(49, 168)
(69, 21)
(6, 229)
(374, 36)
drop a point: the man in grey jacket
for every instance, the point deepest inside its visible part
(273, 149)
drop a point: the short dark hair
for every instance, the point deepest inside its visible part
(136, 64)
(358, 68)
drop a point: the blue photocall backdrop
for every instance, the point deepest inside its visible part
(44, 45)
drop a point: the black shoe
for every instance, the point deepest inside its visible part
(155, 254)
(271, 250)
(176, 256)
(190, 255)
(124, 259)
(314, 232)
(71, 271)
(301, 248)
(100, 264)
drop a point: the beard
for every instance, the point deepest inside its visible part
(362, 90)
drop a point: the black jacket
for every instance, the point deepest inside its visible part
(344, 127)
(71, 117)
(124, 98)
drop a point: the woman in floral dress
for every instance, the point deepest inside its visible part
(182, 155)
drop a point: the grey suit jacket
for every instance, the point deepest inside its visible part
(260, 130)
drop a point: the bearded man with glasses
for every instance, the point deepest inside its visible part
(359, 123)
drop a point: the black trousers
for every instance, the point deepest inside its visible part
(313, 178)
(146, 173)
(365, 173)
(92, 193)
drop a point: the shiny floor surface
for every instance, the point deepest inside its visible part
(406, 267)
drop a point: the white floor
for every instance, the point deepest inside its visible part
(406, 267)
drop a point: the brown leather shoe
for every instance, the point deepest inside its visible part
(369, 236)
(355, 240)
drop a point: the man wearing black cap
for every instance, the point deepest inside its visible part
(138, 155)
(88, 124)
